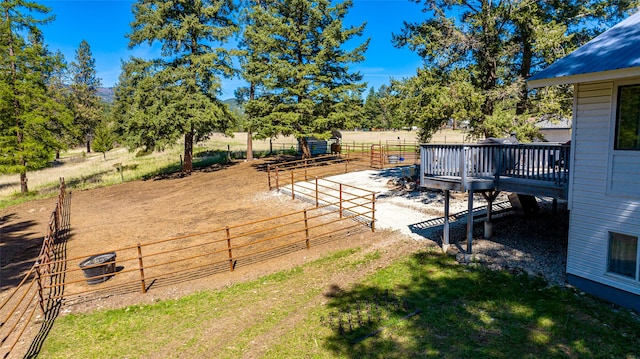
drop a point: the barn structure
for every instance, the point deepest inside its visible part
(603, 256)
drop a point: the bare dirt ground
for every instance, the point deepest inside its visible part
(164, 207)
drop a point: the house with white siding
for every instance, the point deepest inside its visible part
(598, 174)
(603, 256)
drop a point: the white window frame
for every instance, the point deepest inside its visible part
(636, 277)
(630, 154)
(616, 116)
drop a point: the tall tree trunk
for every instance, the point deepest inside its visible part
(187, 166)
(252, 91)
(249, 146)
(304, 146)
(88, 146)
(525, 68)
(16, 107)
(24, 188)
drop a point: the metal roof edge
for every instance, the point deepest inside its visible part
(589, 77)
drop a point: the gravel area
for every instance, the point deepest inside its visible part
(536, 244)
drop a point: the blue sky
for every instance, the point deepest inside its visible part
(104, 23)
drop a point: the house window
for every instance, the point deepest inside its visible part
(623, 255)
(628, 118)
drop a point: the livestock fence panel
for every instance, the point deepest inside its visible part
(337, 209)
(159, 262)
(33, 298)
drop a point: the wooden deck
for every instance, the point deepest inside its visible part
(540, 170)
(534, 169)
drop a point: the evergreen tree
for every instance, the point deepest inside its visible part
(58, 91)
(390, 100)
(85, 101)
(501, 43)
(175, 95)
(372, 110)
(430, 99)
(104, 139)
(250, 56)
(29, 116)
(299, 70)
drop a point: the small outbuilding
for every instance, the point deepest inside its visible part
(558, 131)
(603, 256)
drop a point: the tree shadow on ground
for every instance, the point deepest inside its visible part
(274, 160)
(430, 306)
(174, 171)
(18, 250)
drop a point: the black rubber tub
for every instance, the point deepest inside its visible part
(97, 267)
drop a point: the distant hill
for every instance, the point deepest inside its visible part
(233, 104)
(106, 94)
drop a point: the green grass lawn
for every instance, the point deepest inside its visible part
(425, 306)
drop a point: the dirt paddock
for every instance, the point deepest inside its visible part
(143, 211)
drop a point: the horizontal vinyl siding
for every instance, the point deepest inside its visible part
(594, 214)
(625, 174)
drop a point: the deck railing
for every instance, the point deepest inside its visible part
(528, 161)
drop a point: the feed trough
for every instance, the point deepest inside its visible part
(97, 267)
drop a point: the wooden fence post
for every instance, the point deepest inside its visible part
(269, 175)
(306, 228)
(144, 286)
(229, 248)
(277, 179)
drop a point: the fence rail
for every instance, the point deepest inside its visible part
(215, 251)
(338, 208)
(32, 296)
(279, 174)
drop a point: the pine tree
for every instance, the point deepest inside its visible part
(372, 110)
(249, 57)
(176, 94)
(299, 69)
(86, 103)
(501, 43)
(60, 92)
(29, 116)
(104, 139)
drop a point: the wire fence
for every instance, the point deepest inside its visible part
(55, 279)
(35, 297)
(162, 262)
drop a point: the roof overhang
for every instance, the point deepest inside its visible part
(581, 78)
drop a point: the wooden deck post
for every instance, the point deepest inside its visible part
(470, 224)
(488, 226)
(445, 234)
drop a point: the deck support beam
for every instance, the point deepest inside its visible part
(489, 198)
(445, 234)
(470, 223)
